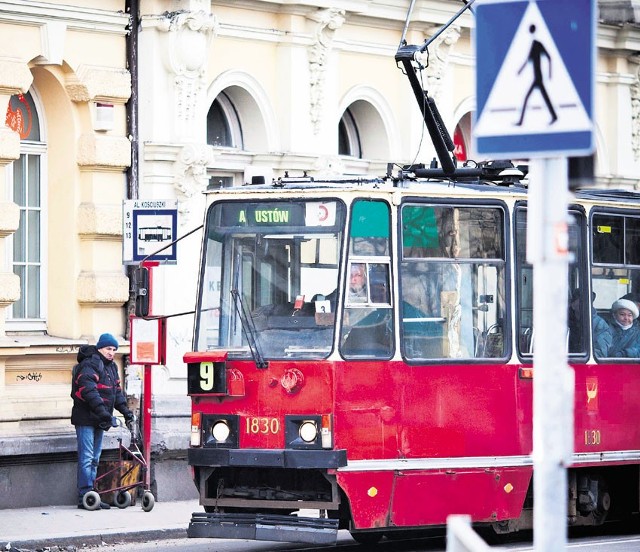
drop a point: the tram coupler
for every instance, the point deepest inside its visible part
(263, 527)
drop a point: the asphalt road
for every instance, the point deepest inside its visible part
(607, 543)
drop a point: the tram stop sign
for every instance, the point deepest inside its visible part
(149, 230)
(534, 78)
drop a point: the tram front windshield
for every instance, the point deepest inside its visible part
(269, 277)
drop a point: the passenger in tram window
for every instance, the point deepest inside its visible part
(626, 334)
(574, 322)
(601, 332)
(635, 297)
(358, 283)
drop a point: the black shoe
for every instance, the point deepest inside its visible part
(104, 506)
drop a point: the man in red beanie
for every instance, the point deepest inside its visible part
(96, 391)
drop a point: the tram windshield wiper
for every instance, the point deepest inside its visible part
(249, 330)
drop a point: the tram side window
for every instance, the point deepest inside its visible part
(615, 276)
(367, 321)
(452, 281)
(578, 317)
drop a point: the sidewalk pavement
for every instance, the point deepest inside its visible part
(47, 526)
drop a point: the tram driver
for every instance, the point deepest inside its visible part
(358, 283)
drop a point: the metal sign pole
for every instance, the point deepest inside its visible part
(149, 347)
(526, 110)
(146, 423)
(553, 389)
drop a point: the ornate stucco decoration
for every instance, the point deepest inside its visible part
(189, 36)
(635, 113)
(190, 173)
(329, 20)
(436, 59)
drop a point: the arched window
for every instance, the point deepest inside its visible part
(223, 124)
(27, 251)
(349, 136)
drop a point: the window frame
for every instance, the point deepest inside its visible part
(502, 264)
(37, 149)
(524, 342)
(348, 126)
(232, 121)
(632, 270)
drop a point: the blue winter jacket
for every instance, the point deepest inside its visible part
(602, 335)
(625, 343)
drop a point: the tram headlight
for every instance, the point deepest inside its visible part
(220, 431)
(308, 431)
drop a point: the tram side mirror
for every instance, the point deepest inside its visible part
(141, 289)
(581, 171)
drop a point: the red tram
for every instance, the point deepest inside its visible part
(363, 350)
(318, 406)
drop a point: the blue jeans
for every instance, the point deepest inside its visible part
(89, 450)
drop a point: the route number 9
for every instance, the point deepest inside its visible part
(207, 378)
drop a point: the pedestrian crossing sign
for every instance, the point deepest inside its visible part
(534, 78)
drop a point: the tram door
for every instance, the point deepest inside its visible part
(367, 321)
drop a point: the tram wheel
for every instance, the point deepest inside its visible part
(122, 499)
(604, 504)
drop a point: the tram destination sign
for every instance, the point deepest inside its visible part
(281, 214)
(534, 78)
(148, 226)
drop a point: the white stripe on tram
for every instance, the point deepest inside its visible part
(482, 462)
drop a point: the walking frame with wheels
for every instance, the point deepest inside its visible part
(131, 463)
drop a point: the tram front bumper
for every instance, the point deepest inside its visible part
(263, 527)
(273, 458)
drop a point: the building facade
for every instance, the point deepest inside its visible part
(163, 99)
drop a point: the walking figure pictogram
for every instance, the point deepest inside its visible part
(535, 57)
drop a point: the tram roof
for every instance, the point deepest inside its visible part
(426, 186)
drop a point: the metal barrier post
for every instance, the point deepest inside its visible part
(462, 538)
